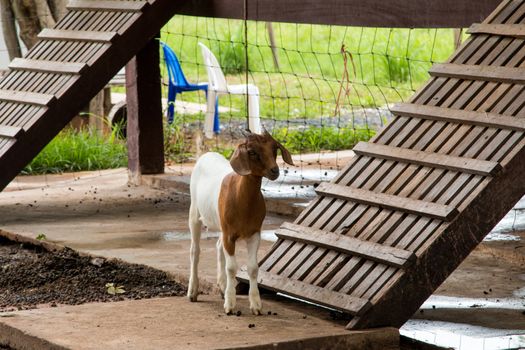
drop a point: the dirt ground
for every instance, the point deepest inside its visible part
(32, 276)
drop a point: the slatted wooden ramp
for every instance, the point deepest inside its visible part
(417, 199)
(66, 68)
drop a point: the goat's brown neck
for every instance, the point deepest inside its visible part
(249, 184)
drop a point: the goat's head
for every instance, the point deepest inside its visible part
(257, 154)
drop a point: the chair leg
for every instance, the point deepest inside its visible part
(216, 123)
(254, 122)
(211, 103)
(172, 94)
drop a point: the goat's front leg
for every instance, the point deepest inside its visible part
(231, 271)
(252, 245)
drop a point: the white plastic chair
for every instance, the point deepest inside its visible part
(217, 86)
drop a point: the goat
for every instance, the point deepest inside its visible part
(226, 196)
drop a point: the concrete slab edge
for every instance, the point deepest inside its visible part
(19, 340)
(376, 339)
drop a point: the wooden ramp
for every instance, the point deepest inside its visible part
(418, 198)
(44, 90)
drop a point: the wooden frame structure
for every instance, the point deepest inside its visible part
(417, 199)
(399, 218)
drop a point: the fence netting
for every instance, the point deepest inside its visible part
(322, 88)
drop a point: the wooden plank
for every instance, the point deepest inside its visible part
(348, 245)
(77, 35)
(298, 289)
(107, 5)
(47, 66)
(498, 74)
(12, 132)
(408, 205)
(31, 98)
(513, 30)
(430, 159)
(371, 13)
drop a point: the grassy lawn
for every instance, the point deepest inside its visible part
(390, 63)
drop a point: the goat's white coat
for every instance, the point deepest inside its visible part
(205, 186)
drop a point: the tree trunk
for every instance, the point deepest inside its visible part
(43, 12)
(9, 29)
(58, 8)
(26, 16)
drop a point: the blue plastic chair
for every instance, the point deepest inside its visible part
(179, 84)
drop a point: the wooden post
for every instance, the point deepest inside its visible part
(458, 34)
(144, 110)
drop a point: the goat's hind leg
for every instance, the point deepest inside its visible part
(195, 229)
(252, 245)
(221, 267)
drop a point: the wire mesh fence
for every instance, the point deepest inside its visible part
(322, 88)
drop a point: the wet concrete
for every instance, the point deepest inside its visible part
(101, 214)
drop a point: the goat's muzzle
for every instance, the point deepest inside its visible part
(273, 173)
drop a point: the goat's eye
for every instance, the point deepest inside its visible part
(252, 154)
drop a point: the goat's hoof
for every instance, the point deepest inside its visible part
(228, 310)
(192, 297)
(256, 311)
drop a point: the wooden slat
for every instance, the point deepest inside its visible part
(490, 120)
(430, 159)
(348, 245)
(47, 66)
(11, 132)
(476, 72)
(318, 295)
(408, 205)
(31, 98)
(107, 5)
(77, 35)
(513, 30)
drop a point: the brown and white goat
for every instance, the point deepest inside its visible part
(226, 196)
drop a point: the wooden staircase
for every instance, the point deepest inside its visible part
(44, 90)
(417, 199)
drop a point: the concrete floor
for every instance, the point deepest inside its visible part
(99, 213)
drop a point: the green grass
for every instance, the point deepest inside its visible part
(391, 63)
(315, 139)
(78, 151)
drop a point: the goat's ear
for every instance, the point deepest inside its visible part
(286, 155)
(240, 161)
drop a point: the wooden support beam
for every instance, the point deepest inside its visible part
(489, 120)
(144, 129)
(318, 295)
(47, 66)
(497, 74)
(26, 97)
(348, 245)
(370, 13)
(512, 30)
(77, 35)
(12, 132)
(430, 159)
(107, 5)
(387, 201)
